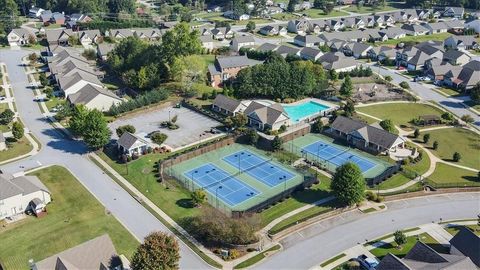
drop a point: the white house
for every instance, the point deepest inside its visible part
(130, 144)
(20, 37)
(19, 194)
(207, 42)
(242, 41)
(35, 12)
(94, 97)
(72, 84)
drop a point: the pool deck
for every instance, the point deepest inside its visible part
(331, 107)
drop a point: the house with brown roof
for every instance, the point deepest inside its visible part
(228, 67)
(58, 36)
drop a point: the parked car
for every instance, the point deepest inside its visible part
(368, 263)
(2, 98)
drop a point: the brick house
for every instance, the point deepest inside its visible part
(228, 67)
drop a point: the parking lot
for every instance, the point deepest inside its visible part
(193, 126)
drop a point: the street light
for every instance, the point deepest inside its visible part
(216, 195)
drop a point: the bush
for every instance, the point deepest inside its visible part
(371, 196)
(404, 85)
(457, 156)
(142, 100)
(158, 137)
(426, 138)
(282, 129)
(126, 128)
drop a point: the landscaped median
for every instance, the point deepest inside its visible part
(257, 258)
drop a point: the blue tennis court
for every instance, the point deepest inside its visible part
(336, 155)
(215, 180)
(259, 168)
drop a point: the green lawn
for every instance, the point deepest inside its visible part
(368, 9)
(452, 176)
(329, 261)
(318, 13)
(253, 260)
(454, 229)
(285, 16)
(452, 140)
(447, 91)
(53, 102)
(212, 16)
(381, 251)
(208, 58)
(16, 149)
(74, 216)
(400, 113)
(417, 39)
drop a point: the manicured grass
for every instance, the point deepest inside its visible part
(446, 175)
(369, 210)
(212, 16)
(329, 261)
(208, 58)
(3, 106)
(16, 149)
(318, 13)
(74, 216)
(53, 102)
(417, 39)
(447, 91)
(253, 260)
(368, 9)
(297, 200)
(400, 113)
(381, 251)
(455, 229)
(285, 16)
(452, 140)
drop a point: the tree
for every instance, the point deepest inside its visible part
(457, 156)
(328, 8)
(188, 70)
(73, 40)
(416, 133)
(318, 4)
(78, 119)
(198, 197)
(43, 79)
(90, 54)
(475, 93)
(180, 41)
(291, 5)
(467, 118)
(388, 125)
(426, 138)
(277, 143)
(435, 145)
(17, 130)
(347, 87)
(400, 238)
(349, 108)
(317, 126)
(388, 78)
(405, 85)
(252, 136)
(348, 184)
(250, 27)
(158, 251)
(117, 6)
(158, 137)
(125, 128)
(6, 117)
(239, 120)
(95, 130)
(447, 116)
(33, 58)
(333, 75)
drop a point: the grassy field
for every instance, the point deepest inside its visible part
(74, 216)
(381, 251)
(455, 229)
(285, 16)
(318, 13)
(448, 175)
(400, 113)
(417, 39)
(451, 140)
(16, 149)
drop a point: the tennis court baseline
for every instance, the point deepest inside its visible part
(259, 168)
(215, 180)
(337, 156)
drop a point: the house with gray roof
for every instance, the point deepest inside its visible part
(392, 33)
(468, 77)
(132, 145)
(94, 97)
(466, 243)
(366, 137)
(456, 57)
(266, 117)
(337, 61)
(98, 253)
(415, 29)
(356, 49)
(225, 68)
(382, 52)
(461, 42)
(241, 42)
(227, 105)
(73, 83)
(456, 12)
(267, 47)
(273, 30)
(436, 28)
(421, 256)
(309, 53)
(103, 49)
(20, 37)
(58, 36)
(285, 50)
(307, 40)
(87, 37)
(20, 194)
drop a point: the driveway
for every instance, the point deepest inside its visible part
(56, 149)
(192, 125)
(328, 238)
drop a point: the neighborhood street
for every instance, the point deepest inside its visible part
(311, 246)
(56, 149)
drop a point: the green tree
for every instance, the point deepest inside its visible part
(6, 117)
(117, 6)
(457, 156)
(475, 93)
(328, 8)
(125, 128)
(318, 4)
(400, 238)
(250, 27)
(8, 13)
(333, 75)
(317, 126)
(239, 120)
(467, 118)
(95, 130)
(291, 5)
(447, 116)
(180, 41)
(43, 79)
(78, 119)
(17, 130)
(388, 78)
(158, 137)
(277, 143)
(33, 58)
(348, 184)
(188, 70)
(158, 251)
(252, 136)
(198, 197)
(435, 145)
(90, 54)
(416, 133)
(426, 138)
(349, 108)
(388, 125)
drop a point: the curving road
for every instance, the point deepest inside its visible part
(315, 244)
(56, 149)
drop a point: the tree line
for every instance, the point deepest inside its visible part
(79, 6)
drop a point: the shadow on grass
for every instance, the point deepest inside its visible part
(185, 203)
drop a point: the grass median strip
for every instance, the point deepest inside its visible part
(331, 260)
(255, 259)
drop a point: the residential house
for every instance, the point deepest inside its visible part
(272, 10)
(466, 243)
(227, 105)
(58, 37)
(228, 67)
(468, 77)
(354, 22)
(423, 14)
(389, 20)
(309, 53)
(265, 116)
(461, 42)
(98, 253)
(267, 47)
(307, 40)
(393, 33)
(120, 33)
(88, 37)
(214, 8)
(456, 12)
(373, 35)
(75, 18)
(73, 83)
(221, 33)
(303, 6)
(20, 37)
(46, 16)
(300, 27)
(366, 137)
(205, 31)
(131, 145)
(3, 144)
(475, 24)
(455, 26)
(337, 61)
(436, 69)
(336, 24)
(284, 51)
(148, 34)
(356, 49)
(103, 49)
(415, 29)
(241, 42)
(94, 97)
(435, 28)
(456, 57)
(414, 57)
(58, 18)
(381, 53)
(21, 194)
(273, 30)
(35, 12)
(207, 42)
(234, 16)
(336, 45)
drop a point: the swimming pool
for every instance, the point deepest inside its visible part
(304, 110)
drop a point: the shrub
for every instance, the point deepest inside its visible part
(426, 138)
(233, 254)
(126, 128)
(158, 137)
(371, 196)
(416, 133)
(142, 100)
(435, 145)
(457, 156)
(282, 129)
(404, 85)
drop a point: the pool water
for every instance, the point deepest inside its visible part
(303, 110)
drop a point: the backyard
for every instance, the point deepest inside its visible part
(389, 5)
(74, 216)
(416, 39)
(319, 13)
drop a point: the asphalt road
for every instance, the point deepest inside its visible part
(315, 244)
(56, 149)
